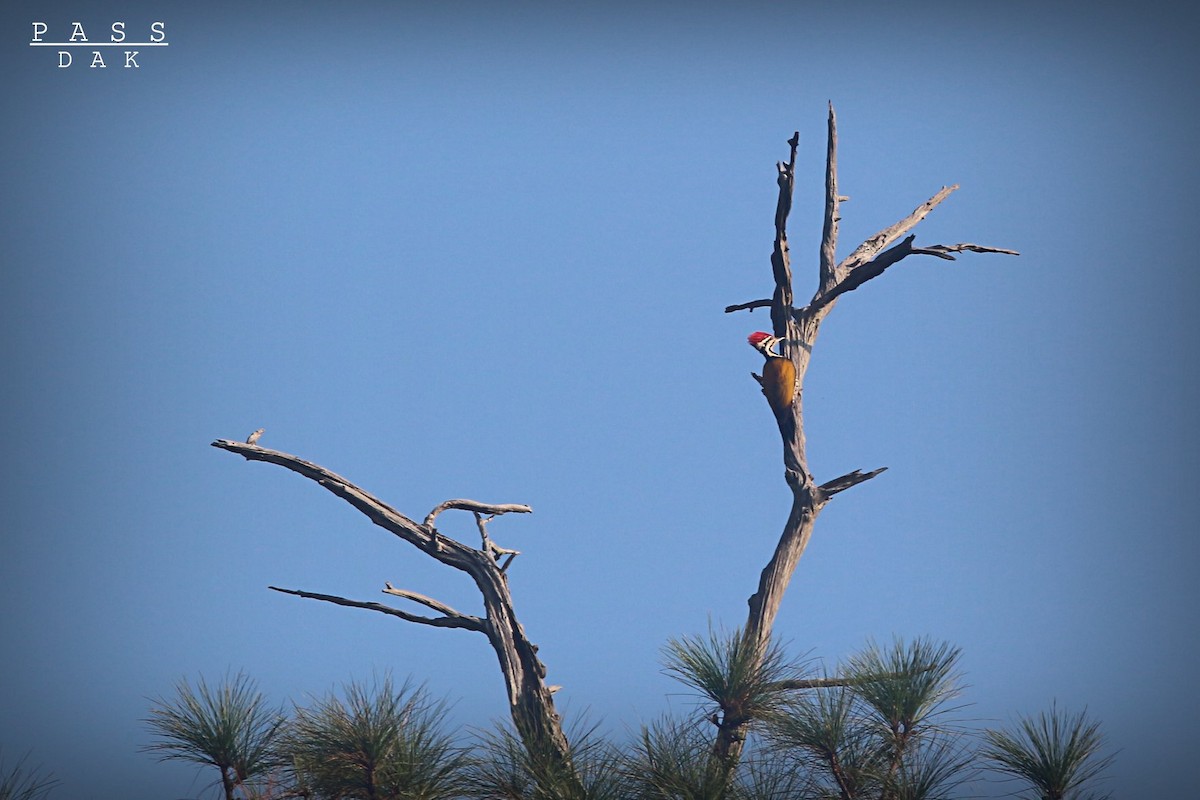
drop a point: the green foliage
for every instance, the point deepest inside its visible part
(507, 769)
(671, 762)
(875, 731)
(376, 743)
(772, 775)
(825, 732)
(880, 729)
(871, 732)
(20, 782)
(228, 726)
(933, 770)
(906, 685)
(727, 669)
(1057, 754)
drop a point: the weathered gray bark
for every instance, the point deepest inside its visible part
(799, 327)
(530, 701)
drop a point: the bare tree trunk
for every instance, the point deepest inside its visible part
(799, 328)
(227, 782)
(530, 701)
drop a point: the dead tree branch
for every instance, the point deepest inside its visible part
(874, 268)
(753, 304)
(436, 605)
(454, 620)
(490, 547)
(869, 248)
(805, 684)
(478, 508)
(530, 701)
(844, 482)
(829, 230)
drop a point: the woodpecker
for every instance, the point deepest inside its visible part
(779, 374)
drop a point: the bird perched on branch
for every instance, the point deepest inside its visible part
(779, 374)
(253, 438)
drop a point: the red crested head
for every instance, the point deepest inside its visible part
(755, 339)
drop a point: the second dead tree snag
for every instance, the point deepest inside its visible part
(530, 700)
(797, 329)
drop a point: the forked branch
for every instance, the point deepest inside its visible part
(874, 268)
(868, 249)
(454, 620)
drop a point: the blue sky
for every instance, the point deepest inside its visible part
(483, 250)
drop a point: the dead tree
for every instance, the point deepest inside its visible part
(798, 328)
(529, 699)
